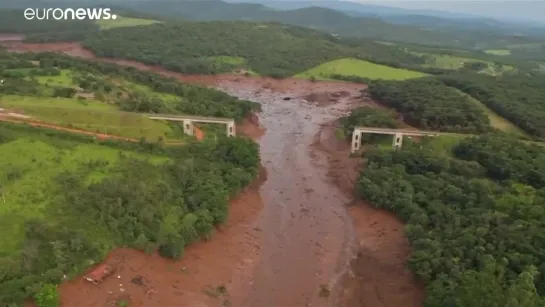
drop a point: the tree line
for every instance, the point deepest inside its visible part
(429, 104)
(518, 98)
(474, 218)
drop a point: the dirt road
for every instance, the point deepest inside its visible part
(302, 242)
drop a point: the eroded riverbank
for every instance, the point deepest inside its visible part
(280, 253)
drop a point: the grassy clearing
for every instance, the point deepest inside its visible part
(525, 46)
(444, 143)
(240, 63)
(27, 181)
(65, 79)
(499, 52)
(90, 115)
(444, 61)
(124, 22)
(360, 68)
(386, 43)
(135, 87)
(223, 59)
(497, 121)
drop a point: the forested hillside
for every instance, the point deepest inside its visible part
(430, 105)
(519, 98)
(214, 47)
(475, 225)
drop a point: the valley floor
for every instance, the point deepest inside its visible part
(286, 242)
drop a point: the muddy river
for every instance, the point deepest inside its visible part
(307, 233)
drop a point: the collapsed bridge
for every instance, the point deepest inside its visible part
(188, 121)
(397, 133)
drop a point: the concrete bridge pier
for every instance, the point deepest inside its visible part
(397, 133)
(231, 129)
(398, 140)
(188, 127)
(356, 140)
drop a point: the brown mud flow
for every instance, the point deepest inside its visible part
(306, 229)
(303, 239)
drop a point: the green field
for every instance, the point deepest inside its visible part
(499, 52)
(444, 61)
(28, 188)
(91, 115)
(360, 68)
(124, 22)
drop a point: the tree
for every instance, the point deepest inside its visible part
(48, 296)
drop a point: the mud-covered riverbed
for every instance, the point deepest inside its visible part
(307, 233)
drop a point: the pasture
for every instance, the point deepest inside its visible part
(124, 22)
(499, 52)
(28, 185)
(91, 115)
(360, 68)
(445, 61)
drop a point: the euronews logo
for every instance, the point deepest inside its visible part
(69, 14)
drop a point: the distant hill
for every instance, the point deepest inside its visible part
(329, 20)
(417, 17)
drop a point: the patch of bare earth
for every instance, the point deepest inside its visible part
(302, 244)
(10, 37)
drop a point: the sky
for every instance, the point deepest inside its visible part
(515, 10)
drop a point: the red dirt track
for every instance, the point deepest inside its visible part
(290, 233)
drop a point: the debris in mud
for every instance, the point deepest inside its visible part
(138, 280)
(325, 291)
(287, 98)
(215, 292)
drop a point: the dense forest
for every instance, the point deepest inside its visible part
(474, 218)
(193, 100)
(213, 47)
(368, 117)
(430, 105)
(518, 98)
(140, 203)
